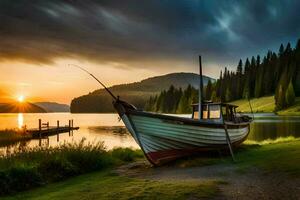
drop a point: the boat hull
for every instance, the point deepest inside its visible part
(164, 138)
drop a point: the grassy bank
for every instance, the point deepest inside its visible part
(11, 136)
(281, 156)
(28, 168)
(105, 185)
(266, 104)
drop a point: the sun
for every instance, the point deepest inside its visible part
(21, 98)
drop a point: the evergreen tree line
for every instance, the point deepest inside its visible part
(173, 100)
(275, 74)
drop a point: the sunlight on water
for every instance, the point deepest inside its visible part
(20, 120)
(98, 127)
(93, 128)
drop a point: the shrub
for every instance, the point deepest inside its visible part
(56, 168)
(126, 154)
(19, 178)
(26, 168)
(290, 95)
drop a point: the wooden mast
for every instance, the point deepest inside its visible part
(200, 90)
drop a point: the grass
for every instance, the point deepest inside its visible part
(27, 168)
(31, 168)
(266, 104)
(105, 185)
(263, 104)
(280, 155)
(293, 110)
(12, 136)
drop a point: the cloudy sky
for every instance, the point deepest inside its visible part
(126, 41)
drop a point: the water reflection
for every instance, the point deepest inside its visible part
(20, 120)
(107, 128)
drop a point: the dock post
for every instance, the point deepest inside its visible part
(69, 127)
(72, 126)
(40, 132)
(48, 131)
(57, 131)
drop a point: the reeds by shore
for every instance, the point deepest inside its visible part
(32, 167)
(11, 136)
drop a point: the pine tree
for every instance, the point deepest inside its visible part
(279, 98)
(281, 50)
(228, 95)
(239, 81)
(290, 95)
(296, 80)
(246, 89)
(252, 76)
(208, 90)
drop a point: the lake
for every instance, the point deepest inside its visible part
(95, 127)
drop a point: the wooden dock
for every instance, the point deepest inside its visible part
(50, 131)
(44, 130)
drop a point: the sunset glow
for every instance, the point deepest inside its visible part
(21, 98)
(150, 39)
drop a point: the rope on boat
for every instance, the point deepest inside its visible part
(251, 108)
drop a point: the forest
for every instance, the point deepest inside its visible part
(275, 74)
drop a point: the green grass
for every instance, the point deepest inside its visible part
(104, 185)
(11, 136)
(263, 104)
(266, 104)
(27, 168)
(293, 110)
(282, 155)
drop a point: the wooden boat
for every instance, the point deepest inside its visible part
(164, 138)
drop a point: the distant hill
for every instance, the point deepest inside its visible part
(53, 106)
(136, 93)
(16, 107)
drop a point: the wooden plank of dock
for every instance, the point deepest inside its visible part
(49, 131)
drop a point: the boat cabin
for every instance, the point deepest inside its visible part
(216, 112)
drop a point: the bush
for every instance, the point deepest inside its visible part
(290, 95)
(19, 178)
(126, 154)
(56, 169)
(26, 168)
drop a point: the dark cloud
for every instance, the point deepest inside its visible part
(136, 30)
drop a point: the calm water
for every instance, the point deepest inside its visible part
(93, 127)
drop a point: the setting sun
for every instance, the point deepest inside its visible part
(21, 98)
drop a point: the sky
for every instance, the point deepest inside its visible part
(127, 41)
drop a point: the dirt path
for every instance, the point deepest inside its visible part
(252, 184)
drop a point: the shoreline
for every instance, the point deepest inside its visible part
(261, 171)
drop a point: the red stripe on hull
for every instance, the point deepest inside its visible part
(160, 157)
(164, 156)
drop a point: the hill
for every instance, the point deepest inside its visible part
(53, 106)
(20, 108)
(136, 93)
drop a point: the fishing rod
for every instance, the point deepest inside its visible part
(111, 94)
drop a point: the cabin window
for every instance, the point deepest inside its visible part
(196, 115)
(214, 111)
(208, 112)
